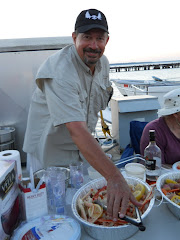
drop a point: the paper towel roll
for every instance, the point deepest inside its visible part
(13, 155)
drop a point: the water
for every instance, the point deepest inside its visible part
(170, 74)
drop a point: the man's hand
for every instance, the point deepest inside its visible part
(119, 195)
(118, 190)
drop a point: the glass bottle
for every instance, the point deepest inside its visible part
(152, 154)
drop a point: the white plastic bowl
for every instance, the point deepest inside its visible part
(48, 227)
(174, 166)
(135, 170)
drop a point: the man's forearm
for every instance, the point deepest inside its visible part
(90, 149)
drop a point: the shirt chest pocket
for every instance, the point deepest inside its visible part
(102, 96)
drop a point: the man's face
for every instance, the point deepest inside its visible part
(90, 45)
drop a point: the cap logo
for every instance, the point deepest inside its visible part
(94, 17)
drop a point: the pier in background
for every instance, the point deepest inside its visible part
(143, 66)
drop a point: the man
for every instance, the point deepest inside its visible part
(73, 86)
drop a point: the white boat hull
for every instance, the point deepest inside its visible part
(130, 88)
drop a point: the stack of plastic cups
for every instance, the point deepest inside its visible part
(55, 182)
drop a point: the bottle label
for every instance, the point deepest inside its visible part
(150, 164)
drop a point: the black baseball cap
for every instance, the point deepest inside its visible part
(89, 19)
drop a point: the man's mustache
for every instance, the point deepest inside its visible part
(92, 50)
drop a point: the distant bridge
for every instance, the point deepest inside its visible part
(143, 66)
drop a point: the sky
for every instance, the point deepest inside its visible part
(140, 30)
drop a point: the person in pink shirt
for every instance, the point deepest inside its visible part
(167, 129)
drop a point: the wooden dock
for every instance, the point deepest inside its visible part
(143, 66)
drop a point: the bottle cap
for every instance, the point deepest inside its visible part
(152, 135)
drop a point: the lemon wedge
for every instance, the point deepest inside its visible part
(170, 181)
(139, 191)
(95, 211)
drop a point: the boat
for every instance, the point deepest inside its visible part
(17, 86)
(155, 87)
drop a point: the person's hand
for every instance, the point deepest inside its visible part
(118, 196)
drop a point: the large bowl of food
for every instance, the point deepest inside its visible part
(94, 218)
(168, 185)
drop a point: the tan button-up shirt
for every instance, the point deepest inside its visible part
(67, 91)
